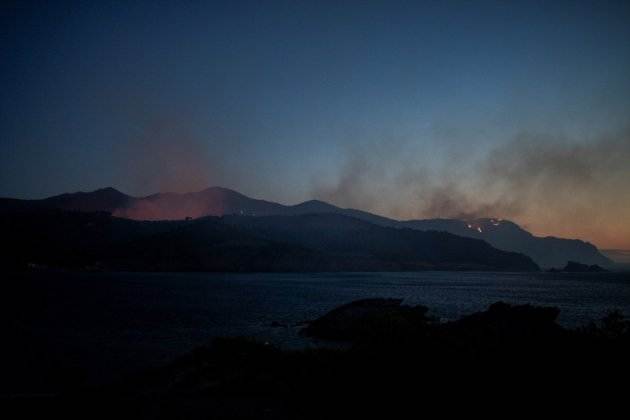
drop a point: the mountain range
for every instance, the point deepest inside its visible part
(216, 201)
(61, 239)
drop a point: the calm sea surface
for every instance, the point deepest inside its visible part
(68, 328)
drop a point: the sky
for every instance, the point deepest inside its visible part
(410, 109)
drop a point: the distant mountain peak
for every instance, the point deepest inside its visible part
(104, 199)
(316, 205)
(216, 188)
(316, 201)
(108, 189)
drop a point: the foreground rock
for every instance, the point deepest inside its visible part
(398, 359)
(368, 318)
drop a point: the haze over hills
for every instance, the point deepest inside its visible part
(217, 201)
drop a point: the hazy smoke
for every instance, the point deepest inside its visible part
(352, 188)
(165, 155)
(168, 145)
(552, 185)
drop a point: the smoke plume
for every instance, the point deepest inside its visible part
(165, 155)
(550, 184)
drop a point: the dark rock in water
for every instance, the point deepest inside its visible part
(363, 319)
(388, 322)
(503, 323)
(575, 267)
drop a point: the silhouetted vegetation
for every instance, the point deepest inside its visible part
(391, 356)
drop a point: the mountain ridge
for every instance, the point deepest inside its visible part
(325, 242)
(219, 201)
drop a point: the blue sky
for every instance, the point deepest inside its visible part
(289, 100)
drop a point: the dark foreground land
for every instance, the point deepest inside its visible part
(390, 360)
